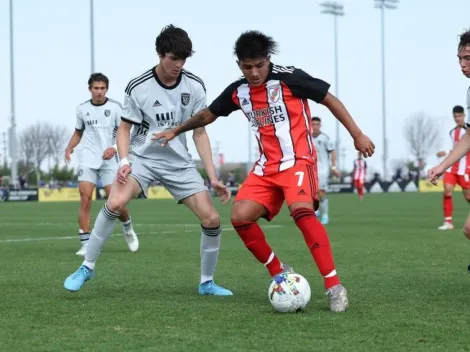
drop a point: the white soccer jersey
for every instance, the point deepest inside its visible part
(324, 146)
(153, 107)
(99, 124)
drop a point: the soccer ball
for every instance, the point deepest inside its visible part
(289, 293)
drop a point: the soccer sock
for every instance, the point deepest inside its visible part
(84, 236)
(254, 239)
(448, 208)
(210, 244)
(324, 206)
(318, 243)
(127, 225)
(103, 228)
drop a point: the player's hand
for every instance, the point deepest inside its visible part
(441, 154)
(122, 174)
(165, 136)
(222, 191)
(67, 156)
(109, 153)
(435, 173)
(364, 144)
(336, 172)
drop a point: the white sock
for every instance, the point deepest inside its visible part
(84, 236)
(324, 206)
(210, 244)
(127, 225)
(103, 228)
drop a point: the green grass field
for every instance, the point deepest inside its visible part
(408, 284)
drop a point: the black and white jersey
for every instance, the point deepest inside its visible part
(153, 107)
(99, 124)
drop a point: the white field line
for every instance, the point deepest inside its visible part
(38, 239)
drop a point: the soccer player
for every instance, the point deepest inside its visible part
(462, 147)
(274, 100)
(97, 123)
(326, 163)
(457, 173)
(161, 98)
(359, 174)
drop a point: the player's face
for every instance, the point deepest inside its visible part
(98, 91)
(172, 65)
(459, 118)
(464, 60)
(255, 70)
(316, 125)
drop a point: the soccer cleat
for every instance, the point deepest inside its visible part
(212, 289)
(317, 213)
(82, 250)
(75, 281)
(131, 238)
(446, 226)
(338, 298)
(325, 220)
(468, 268)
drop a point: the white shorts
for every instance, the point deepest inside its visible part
(86, 174)
(323, 180)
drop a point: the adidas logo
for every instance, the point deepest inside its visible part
(157, 103)
(301, 193)
(245, 102)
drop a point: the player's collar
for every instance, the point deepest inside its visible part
(178, 80)
(105, 101)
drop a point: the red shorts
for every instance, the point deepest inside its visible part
(358, 183)
(296, 184)
(454, 179)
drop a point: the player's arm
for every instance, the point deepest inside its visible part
(203, 147)
(112, 150)
(201, 119)
(460, 150)
(333, 159)
(342, 115)
(76, 136)
(123, 139)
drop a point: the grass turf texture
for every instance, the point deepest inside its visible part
(408, 284)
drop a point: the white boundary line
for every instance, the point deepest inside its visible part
(38, 239)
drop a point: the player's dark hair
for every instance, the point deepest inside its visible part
(458, 109)
(174, 40)
(254, 45)
(98, 77)
(316, 118)
(464, 39)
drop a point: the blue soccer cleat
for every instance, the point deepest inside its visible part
(210, 288)
(75, 281)
(325, 220)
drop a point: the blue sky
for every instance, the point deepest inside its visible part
(52, 58)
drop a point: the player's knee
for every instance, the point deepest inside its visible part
(85, 201)
(211, 220)
(238, 215)
(116, 204)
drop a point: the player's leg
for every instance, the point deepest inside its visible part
(87, 179)
(360, 188)
(257, 199)
(107, 176)
(450, 180)
(323, 209)
(464, 183)
(302, 206)
(119, 196)
(187, 187)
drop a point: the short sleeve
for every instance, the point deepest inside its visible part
(302, 85)
(224, 105)
(131, 111)
(80, 124)
(118, 115)
(201, 101)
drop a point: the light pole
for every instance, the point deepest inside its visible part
(335, 9)
(12, 134)
(382, 5)
(92, 38)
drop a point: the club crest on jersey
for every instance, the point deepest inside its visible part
(185, 98)
(274, 94)
(107, 113)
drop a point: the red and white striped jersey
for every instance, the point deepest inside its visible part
(279, 115)
(360, 170)
(462, 166)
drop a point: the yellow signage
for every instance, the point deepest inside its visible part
(60, 195)
(426, 186)
(158, 192)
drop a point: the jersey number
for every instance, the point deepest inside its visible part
(300, 175)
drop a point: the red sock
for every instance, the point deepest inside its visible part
(254, 239)
(360, 191)
(448, 208)
(318, 243)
